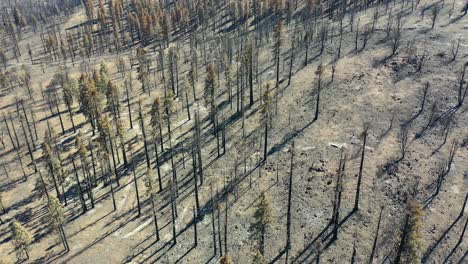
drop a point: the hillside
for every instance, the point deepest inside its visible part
(203, 131)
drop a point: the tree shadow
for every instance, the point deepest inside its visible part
(185, 254)
(436, 244)
(324, 237)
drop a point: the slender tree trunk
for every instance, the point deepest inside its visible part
(129, 108)
(317, 109)
(94, 165)
(161, 139)
(136, 191)
(9, 132)
(213, 222)
(374, 245)
(291, 63)
(361, 166)
(80, 190)
(124, 153)
(251, 102)
(34, 124)
(89, 185)
(28, 125)
(265, 143)
(195, 181)
(28, 145)
(144, 138)
(155, 219)
(226, 205)
(219, 230)
(187, 105)
(60, 117)
(64, 194)
(113, 196)
(157, 166)
(198, 144)
(288, 215)
(70, 113)
(43, 183)
(195, 234)
(57, 191)
(14, 132)
(114, 162)
(173, 213)
(173, 168)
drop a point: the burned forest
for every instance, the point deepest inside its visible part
(234, 131)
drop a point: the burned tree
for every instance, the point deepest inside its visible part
(151, 193)
(396, 34)
(266, 118)
(361, 166)
(288, 214)
(70, 88)
(209, 93)
(52, 162)
(455, 48)
(335, 220)
(143, 132)
(278, 42)
(318, 73)
(435, 13)
(403, 136)
(462, 87)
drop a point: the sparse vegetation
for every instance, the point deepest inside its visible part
(236, 131)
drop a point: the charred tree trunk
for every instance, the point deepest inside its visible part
(195, 234)
(288, 215)
(158, 166)
(14, 133)
(9, 132)
(226, 225)
(173, 213)
(80, 190)
(27, 144)
(374, 245)
(218, 208)
(195, 180)
(114, 162)
(129, 108)
(213, 221)
(136, 191)
(142, 125)
(155, 219)
(361, 167)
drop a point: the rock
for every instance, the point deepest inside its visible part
(317, 168)
(354, 140)
(338, 145)
(308, 148)
(371, 149)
